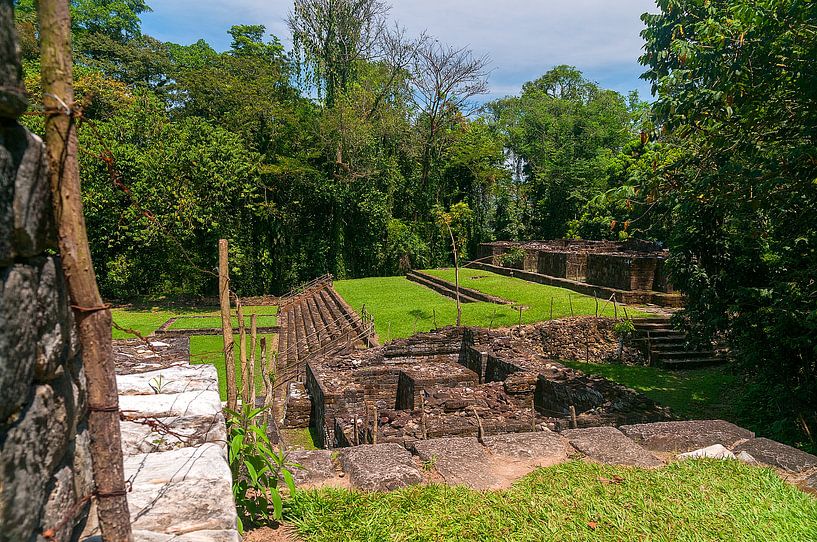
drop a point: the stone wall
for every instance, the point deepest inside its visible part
(622, 271)
(45, 464)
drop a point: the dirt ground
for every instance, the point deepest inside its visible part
(282, 533)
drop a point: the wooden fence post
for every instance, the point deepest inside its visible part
(227, 324)
(242, 352)
(253, 345)
(93, 316)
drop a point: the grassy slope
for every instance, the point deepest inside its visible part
(401, 307)
(574, 501)
(695, 393)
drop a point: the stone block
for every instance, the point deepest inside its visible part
(716, 451)
(545, 446)
(55, 321)
(205, 462)
(380, 467)
(177, 379)
(169, 507)
(61, 497)
(29, 454)
(12, 95)
(686, 436)
(82, 466)
(609, 445)
(315, 466)
(171, 433)
(190, 403)
(34, 229)
(460, 461)
(778, 455)
(18, 335)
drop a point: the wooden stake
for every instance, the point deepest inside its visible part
(93, 316)
(570, 300)
(375, 425)
(227, 324)
(551, 307)
(253, 344)
(596, 299)
(456, 274)
(242, 352)
(573, 419)
(423, 432)
(615, 308)
(480, 430)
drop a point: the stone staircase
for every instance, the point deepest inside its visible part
(668, 347)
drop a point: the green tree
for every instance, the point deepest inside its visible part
(737, 105)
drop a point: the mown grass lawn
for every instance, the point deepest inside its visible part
(402, 307)
(214, 322)
(697, 500)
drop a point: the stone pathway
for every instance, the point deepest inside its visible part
(502, 459)
(174, 441)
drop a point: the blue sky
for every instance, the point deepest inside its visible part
(524, 38)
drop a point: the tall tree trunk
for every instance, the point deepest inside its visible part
(93, 317)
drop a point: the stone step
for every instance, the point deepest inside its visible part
(442, 289)
(683, 354)
(696, 363)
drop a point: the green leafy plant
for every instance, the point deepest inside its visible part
(513, 258)
(624, 329)
(257, 469)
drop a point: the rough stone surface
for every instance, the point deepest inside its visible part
(177, 379)
(609, 445)
(541, 445)
(810, 483)
(144, 436)
(686, 436)
(459, 460)
(205, 462)
(190, 403)
(716, 451)
(380, 467)
(778, 455)
(18, 335)
(317, 466)
(12, 96)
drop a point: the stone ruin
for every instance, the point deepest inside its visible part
(635, 270)
(454, 381)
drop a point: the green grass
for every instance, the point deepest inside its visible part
(402, 307)
(210, 349)
(691, 393)
(214, 322)
(685, 501)
(300, 438)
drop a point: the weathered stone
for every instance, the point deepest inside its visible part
(205, 462)
(7, 174)
(810, 483)
(33, 215)
(182, 507)
(380, 467)
(778, 455)
(316, 466)
(18, 335)
(55, 319)
(61, 497)
(195, 536)
(545, 446)
(687, 435)
(460, 461)
(609, 445)
(12, 95)
(716, 451)
(28, 455)
(190, 403)
(82, 465)
(165, 434)
(177, 379)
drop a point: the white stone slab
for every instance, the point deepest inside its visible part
(171, 433)
(205, 462)
(190, 403)
(176, 379)
(183, 507)
(716, 451)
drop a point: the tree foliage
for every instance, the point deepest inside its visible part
(736, 93)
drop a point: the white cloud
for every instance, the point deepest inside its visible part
(524, 38)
